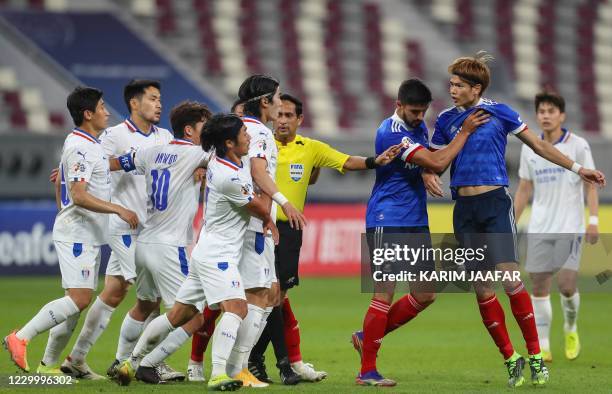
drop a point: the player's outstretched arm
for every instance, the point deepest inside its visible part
(266, 184)
(546, 150)
(438, 161)
(356, 163)
(522, 197)
(80, 197)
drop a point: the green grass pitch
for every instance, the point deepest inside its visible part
(446, 349)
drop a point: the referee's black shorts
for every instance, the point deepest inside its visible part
(287, 255)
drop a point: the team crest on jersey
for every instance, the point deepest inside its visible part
(78, 167)
(406, 142)
(262, 145)
(246, 189)
(296, 171)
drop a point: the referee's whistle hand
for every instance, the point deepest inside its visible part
(296, 219)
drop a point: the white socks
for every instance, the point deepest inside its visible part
(262, 326)
(97, 319)
(168, 346)
(155, 332)
(50, 315)
(245, 340)
(223, 341)
(59, 336)
(129, 334)
(542, 308)
(570, 306)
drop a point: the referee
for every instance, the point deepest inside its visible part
(299, 161)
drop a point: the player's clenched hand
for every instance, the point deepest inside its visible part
(199, 175)
(53, 175)
(433, 184)
(295, 217)
(593, 176)
(476, 118)
(387, 156)
(592, 234)
(129, 217)
(268, 225)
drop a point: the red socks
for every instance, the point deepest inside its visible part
(522, 309)
(374, 327)
(201, 338)
(292, 332)
(494, 320)
(402, 311)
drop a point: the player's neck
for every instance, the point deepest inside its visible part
(231, 156)
(553, 136)
(472, 104)
(89, 129)
(143, 125)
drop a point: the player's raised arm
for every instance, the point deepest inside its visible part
(438, 161)
(356, 163)
(549, 152)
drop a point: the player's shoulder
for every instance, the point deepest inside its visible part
(577, 140)
(446, 114)
(496, 107)
(165, 132)
(255, 127)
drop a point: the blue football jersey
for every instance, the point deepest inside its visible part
(482, 160)
(398, 197)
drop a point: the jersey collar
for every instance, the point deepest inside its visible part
(82, 133)
(564, 136)
(396, 118)
(180, 141)
(134, 129)
(462, 109)
(228, 163)
(251, 119)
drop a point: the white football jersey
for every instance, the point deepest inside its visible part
(262, 145)
(129, 189)
(83, 159)
(171, 189)
(228, 189)
(558, 194)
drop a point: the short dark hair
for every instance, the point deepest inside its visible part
(298, 104)
(413, 91)
(253, 90)
(550, 97)
(187, 113)
(236, 103)
(218, 129)
(82, 99)
(136, 88)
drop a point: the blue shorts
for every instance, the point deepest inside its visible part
(387, 237)
(487, 221)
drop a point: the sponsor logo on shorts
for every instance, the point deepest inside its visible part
(85, 273)
(235, 284)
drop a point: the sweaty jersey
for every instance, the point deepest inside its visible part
(83, 160)
(262, 145)
(296, 160)
(558, 194)
(172, 190)
(398, 197)
(228, 189)
(482, 160)
(128, 188)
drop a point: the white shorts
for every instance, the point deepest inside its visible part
(121, 261)
(211, 282)
(162, 269)
(79, 264)
(551, 253)
(257, 264)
